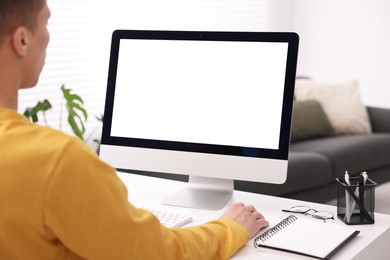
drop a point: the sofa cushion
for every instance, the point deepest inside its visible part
(309, 121)
(341, 103)
(354, 153)
(379, 118)
(306, 170)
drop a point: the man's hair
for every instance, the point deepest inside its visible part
(15, 13)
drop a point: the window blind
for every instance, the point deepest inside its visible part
(78, 52)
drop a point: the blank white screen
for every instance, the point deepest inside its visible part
(227, 93)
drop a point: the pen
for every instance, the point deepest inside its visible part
(359, 191)
(346, 178)
(365, 176)
(362, 181)
(348, 212)
(352, 202)
(361, 188)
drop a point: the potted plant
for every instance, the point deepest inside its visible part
(77, 115)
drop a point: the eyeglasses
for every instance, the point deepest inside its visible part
(323, 215)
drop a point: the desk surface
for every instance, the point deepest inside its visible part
(371, 243)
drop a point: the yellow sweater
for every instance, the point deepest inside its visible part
(58, 200)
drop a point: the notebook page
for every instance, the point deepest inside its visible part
(310, 237)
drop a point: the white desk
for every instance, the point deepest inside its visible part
(372, 242)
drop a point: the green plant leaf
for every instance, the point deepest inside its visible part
(32, 112)
(77, 114)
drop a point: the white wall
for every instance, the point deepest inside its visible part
(345, 39)
(78, 52)
(340, 40)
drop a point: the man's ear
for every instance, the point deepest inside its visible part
(20, 41)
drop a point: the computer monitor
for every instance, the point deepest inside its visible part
(212, 105)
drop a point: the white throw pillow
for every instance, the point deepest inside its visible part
(341, 103)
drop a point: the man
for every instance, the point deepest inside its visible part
(57, 199)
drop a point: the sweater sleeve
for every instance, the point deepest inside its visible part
(87, 209)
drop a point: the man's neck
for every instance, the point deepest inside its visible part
(8, 92)
(9, 103)
(8, 106)
(9, 86)
(10, 80)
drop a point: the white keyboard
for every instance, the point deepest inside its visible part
(169, 218)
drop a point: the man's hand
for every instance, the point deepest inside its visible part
(247, 216)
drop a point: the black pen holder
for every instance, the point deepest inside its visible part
(356, 203)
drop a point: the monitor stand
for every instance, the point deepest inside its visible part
(203, 193)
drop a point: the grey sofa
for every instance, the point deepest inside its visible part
(315, 164)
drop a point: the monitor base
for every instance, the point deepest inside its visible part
(203, 193)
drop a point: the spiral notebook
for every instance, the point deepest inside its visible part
(307, 237)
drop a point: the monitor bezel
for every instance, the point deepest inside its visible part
(289, 84)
